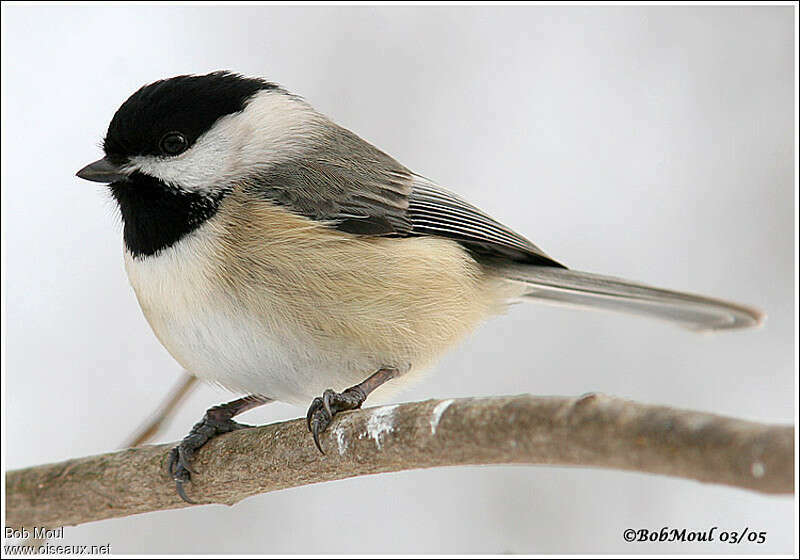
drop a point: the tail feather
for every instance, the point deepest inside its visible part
(583, 289)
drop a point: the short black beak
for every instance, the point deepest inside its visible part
(102, 171)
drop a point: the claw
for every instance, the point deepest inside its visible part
(174, 465)
(184, 461)
(326, 401)
(323, 409)
(182, 493)
(311, 410)
(217, 420)
(315, 432)
(172, 461)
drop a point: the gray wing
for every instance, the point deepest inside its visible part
(353, 186)
(436, 211)
(342, 180)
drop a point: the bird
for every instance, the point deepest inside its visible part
(278, 254)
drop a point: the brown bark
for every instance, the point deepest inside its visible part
(593, 430)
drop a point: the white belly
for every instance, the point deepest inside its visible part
(215, 337)
(295, 308)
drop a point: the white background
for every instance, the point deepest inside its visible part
(651, 143)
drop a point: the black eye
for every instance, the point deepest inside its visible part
(173, 143)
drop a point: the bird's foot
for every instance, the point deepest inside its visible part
(324, 408)
(216, 421)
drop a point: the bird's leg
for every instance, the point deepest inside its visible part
(217, 420)
(324, 408)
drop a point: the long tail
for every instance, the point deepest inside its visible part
(583, 289)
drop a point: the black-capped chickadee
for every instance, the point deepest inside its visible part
(280, 255)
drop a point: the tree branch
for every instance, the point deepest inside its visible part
(593, 430)
(164, 412)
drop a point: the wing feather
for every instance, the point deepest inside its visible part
(347, 182)
(434, 210)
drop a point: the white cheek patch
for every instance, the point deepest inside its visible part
(200, 169)
(274, 127)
